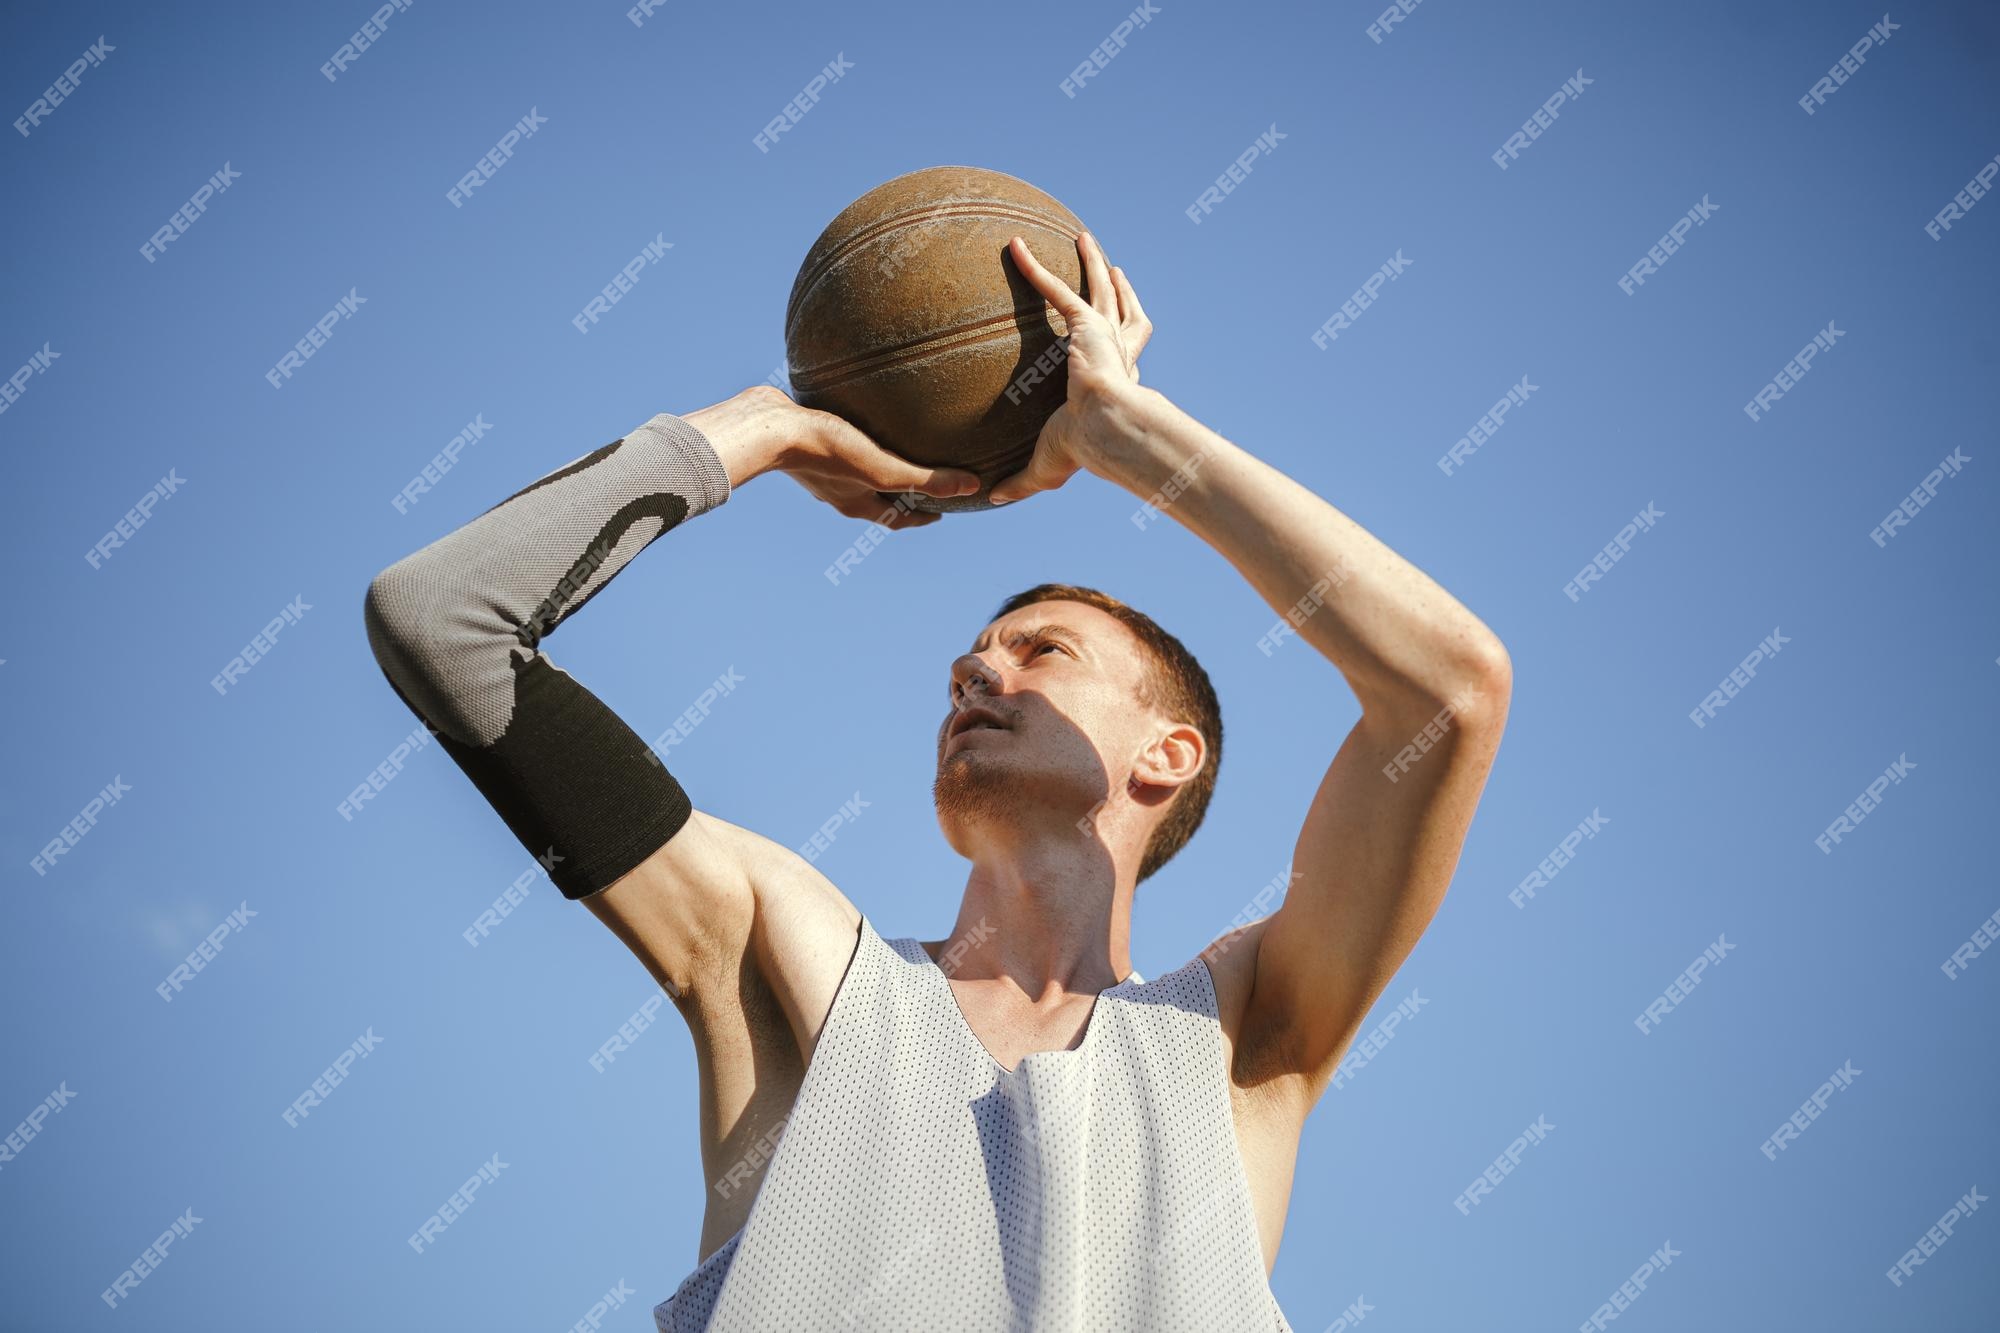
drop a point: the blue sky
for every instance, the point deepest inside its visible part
(1890, 651)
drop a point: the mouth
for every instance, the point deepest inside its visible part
(971, 720)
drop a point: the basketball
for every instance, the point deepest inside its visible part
(909, 319)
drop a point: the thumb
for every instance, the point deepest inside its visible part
(1046, 471)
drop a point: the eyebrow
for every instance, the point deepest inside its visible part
(1061, 633)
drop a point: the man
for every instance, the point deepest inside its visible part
(1007, 1128)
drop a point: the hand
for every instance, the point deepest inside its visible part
(1106, 335)
(763, 430)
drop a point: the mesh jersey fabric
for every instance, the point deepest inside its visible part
(920, 1185)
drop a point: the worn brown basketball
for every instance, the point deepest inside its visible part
(909, 319)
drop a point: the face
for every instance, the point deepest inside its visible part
(1061, 679)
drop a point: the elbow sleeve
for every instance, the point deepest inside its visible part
(457, 629)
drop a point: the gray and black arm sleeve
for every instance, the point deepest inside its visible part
(457, 629)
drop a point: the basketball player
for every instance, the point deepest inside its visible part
(1008, 1128)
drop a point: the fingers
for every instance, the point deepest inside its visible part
(889, 511)
(1131, 315)
(885, 471)
(1053, 289)
(892, 474)
(900, 517)
(1043, 473)
(869, 462)
(1097, 276)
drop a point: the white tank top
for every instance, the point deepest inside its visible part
(919, 1185)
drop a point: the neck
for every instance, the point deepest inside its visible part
(1053, 920)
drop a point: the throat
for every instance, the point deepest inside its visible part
(1012, 1033)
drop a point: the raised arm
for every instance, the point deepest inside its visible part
(1382, 836)
(458, 629)
(1383, 833)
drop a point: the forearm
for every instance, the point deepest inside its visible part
(1399, 638)
(457, 629)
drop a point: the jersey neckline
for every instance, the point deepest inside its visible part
(929, 964)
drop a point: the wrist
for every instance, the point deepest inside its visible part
(1122, 424)
(741, 431)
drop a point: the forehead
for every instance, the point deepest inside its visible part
(1097, 633)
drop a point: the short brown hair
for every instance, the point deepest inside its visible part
(1172, 683)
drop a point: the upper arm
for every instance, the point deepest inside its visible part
(1369, 870)
(716, 897)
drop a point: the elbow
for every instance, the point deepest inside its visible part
(1487, 684)
(1472, 685)
(394, 616)
(1493, 671)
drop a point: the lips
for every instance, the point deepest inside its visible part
(975, 719)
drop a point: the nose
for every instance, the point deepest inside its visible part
(971, 678)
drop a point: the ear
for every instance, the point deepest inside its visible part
(1175, 757)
